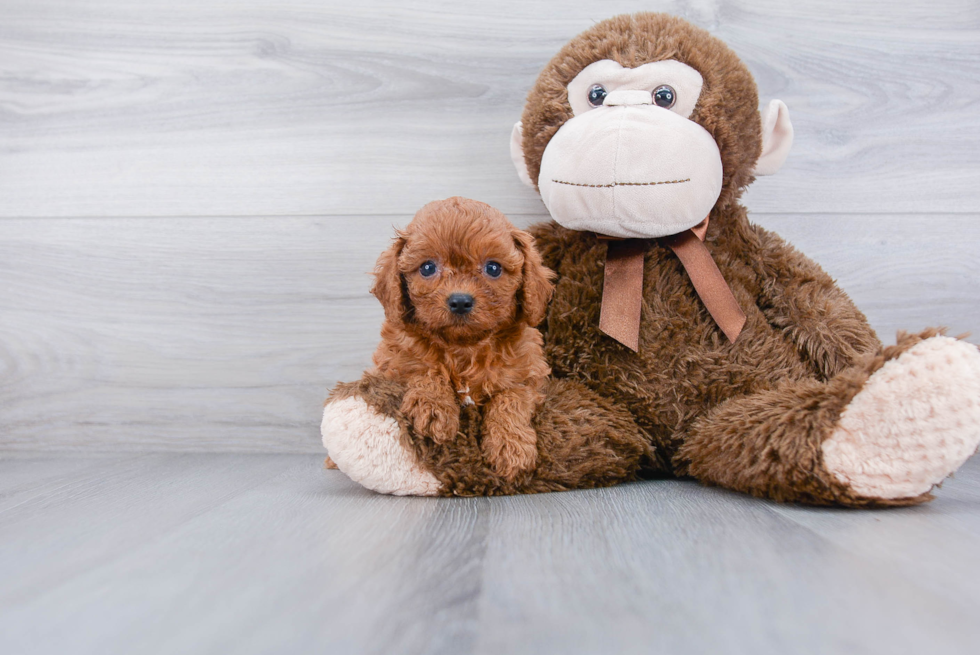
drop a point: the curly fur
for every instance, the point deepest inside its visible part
(491, 357)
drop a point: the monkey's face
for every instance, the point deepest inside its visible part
(630, 163)
(642, 125)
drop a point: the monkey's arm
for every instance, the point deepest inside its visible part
(799, 298)
(554, 243)
(549, 240)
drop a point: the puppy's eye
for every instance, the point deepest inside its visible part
(428, 269)
(493, 269)
(664, 96)
(597, 95)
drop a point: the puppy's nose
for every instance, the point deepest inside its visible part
(460, 303)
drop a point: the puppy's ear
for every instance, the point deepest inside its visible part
(389, 285)
(536, 286)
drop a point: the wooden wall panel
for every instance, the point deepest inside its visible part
(192, 191)
(226, 108)
(225, 334)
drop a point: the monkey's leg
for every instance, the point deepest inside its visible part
(882, 432)
(366, 442)
(583, 441)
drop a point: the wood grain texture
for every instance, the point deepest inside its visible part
(211, 553)
(669, 567)
(225, 334)
(220, 108)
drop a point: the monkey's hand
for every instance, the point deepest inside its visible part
(431, 406)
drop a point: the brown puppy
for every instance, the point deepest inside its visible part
(462, 290)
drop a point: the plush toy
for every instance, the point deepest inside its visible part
(683, 339)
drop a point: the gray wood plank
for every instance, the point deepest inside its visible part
(220, 108)
(64, 532)
(225, 334)
(934, 544)
(262, 553)
(27, 475)
(672, 567)
(212, 334)
(306, 561)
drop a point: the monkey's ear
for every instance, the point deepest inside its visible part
(777, 138)
(388, 284)
(536, 286)
(517, 154)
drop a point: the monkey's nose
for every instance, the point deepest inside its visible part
(460, 303)
(627, 97)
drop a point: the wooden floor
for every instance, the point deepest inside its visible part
(224, 553)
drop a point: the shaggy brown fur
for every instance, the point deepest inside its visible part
(750, 416)
(768, 444)
(489, 356)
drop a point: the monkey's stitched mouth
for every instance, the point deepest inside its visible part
(615, 184)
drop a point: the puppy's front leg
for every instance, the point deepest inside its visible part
(430, 404)
(509, 443)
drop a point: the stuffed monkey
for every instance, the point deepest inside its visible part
(683, 339)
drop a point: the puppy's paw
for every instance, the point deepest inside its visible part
(430, 417)
(329, 463)
(510, 452)
(445, 425)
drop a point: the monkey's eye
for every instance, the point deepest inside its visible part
(597, 94)
(493, 269)
(664, 96)
(428, 269)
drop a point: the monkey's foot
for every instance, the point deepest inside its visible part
(365, 445)
(916, 420)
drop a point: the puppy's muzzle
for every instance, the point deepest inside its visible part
(460, 304)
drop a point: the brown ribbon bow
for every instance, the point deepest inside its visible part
(622, 289)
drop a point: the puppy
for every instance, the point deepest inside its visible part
(462, 290)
